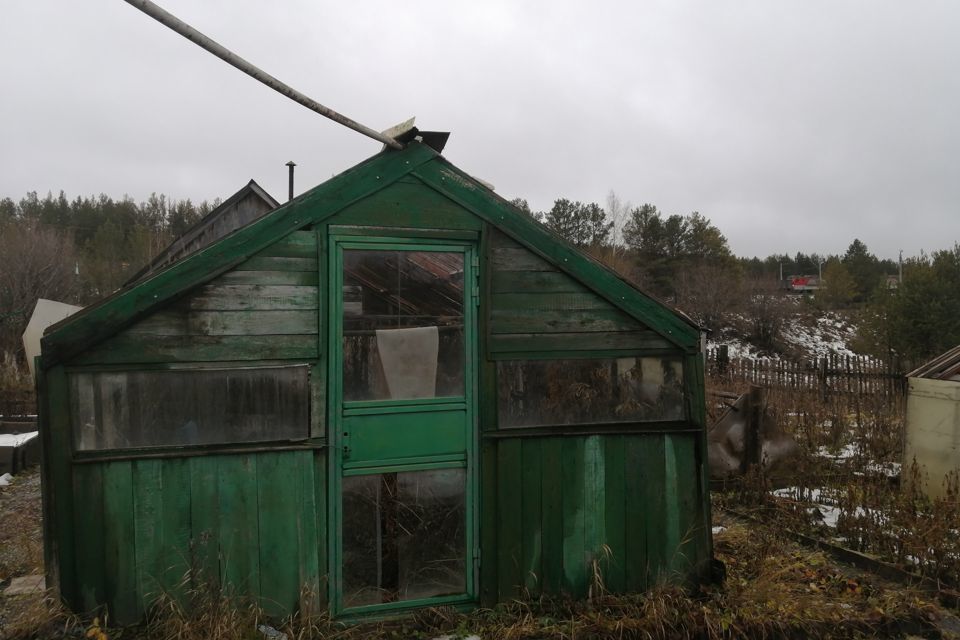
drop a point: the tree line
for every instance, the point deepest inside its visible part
(80, 250)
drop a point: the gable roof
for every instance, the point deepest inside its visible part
(944, 367)
(137, 299)
(246, 205)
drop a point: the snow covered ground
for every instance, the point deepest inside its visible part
(809, 335)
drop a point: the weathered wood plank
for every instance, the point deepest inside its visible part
(551, 465)
(269, 263)
(408, 205)
(227, 323)
(574, 551)
(288, 278)
(518, 259)
(636, 560)
(88, 531)
(537, 301)
(119, 540)
(298, 244)
(509, 527)
(146, 349)
(104, 319)
(561, 321)
(506, 343)
(539, 281)
(531, 516)
(487, 205)
(247, 297)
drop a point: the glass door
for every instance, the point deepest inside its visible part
(403, 367)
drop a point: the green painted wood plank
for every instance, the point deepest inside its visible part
(266, 263)
(289, 278)
(531, 516)
(119, 543)
(509, 526)
(501, 344)
(176, 528)
(147, 493)
(528, 321)
(298, 244)
(205, 522)
(249, 297)
(551, 465)
(318, 375)
(322, 500)
(309, 541)
(653, 496)
(594, 511)
(574, 550)
(279, 510)
(672, 531)
(88, 496)
(636, 512)
(463, 189)
(693, 371)
(689, 530)
(408, 205)
(615, 497)
(239, 525)
(227, 323)
(537, 301)
(145, 349)
(488, 530)
(104, 319)
(58, 503)
(506, 282)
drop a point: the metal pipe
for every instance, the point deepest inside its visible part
(168, 19)
(290, 165)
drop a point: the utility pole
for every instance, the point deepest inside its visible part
(900, 269)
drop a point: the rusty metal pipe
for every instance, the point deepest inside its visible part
(173, 22)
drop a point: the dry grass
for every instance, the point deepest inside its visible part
(774, 589)
(850, 443)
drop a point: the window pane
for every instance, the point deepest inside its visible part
(557, 392)
(123, 409)
(403, 536)
(402, 324)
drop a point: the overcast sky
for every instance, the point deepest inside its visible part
(793, 126)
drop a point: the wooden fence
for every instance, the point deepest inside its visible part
(833, 374)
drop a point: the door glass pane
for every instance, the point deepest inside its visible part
(402, 324)
(404, 536)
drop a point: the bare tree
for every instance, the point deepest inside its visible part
(35, 262)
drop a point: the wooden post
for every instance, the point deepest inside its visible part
(751, 432)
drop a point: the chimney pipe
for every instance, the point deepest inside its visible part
(291, 165)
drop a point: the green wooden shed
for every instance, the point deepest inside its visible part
(393, 391)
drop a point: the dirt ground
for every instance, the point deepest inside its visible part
(772, 588)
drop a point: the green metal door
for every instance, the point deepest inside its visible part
(402, 366)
